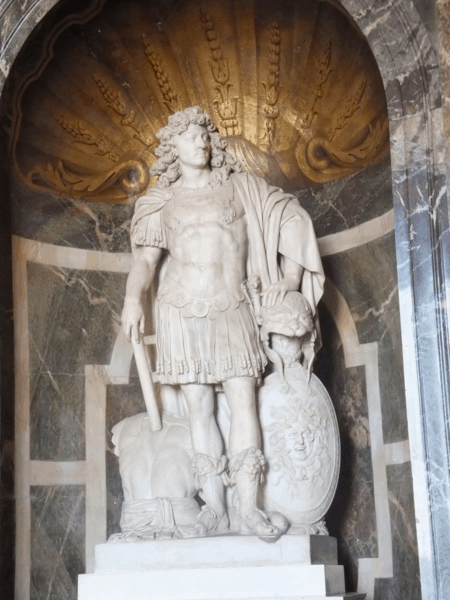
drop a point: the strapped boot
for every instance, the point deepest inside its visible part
(211, 478)
(247, 472)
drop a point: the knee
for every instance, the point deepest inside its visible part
(201, 410)
(200, 401)
(240, 394)
(246, 404)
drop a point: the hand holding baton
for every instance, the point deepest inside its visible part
(145, 377)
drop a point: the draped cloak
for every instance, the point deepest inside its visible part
(277, 226)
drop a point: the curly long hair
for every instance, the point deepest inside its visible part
(167, 167)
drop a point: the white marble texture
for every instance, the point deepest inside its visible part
(203, 553)
(406, 61)
(316, 582)
(217, 567)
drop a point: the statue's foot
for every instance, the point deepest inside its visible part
(209, 522)
(256, 522)
(278, 520)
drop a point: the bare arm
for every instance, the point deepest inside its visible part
(292, 276)
(139, 280)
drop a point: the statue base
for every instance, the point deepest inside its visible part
(221, 567)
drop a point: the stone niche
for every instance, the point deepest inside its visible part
(296, 89)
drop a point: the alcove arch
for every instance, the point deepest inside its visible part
(411, 76)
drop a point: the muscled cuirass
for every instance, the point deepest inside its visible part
(207, 240)
(190, 207)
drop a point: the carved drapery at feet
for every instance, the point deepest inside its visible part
(156, 519)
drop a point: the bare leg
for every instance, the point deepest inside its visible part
(244, 428)
(205, 435)
(247, 462)
(208, 463)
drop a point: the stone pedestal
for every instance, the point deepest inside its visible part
(222, 567)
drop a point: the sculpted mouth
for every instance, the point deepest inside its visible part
(299, 454)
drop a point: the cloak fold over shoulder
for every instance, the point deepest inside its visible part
(277, 224)
(152, 202)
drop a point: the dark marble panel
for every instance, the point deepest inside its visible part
(351, 518)
(64, 222)
(7, 498)
(57, 541)
(428, 14)
(114, 494)
(73, 322)
(124, 401)
(7, 558)
(57, 417)
(74, 317)
(367, 278)
(342, 204)
(406, 580)
(405, 56)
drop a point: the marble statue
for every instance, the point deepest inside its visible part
(228, 254)
(157, 479)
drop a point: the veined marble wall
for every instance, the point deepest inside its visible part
(73, 266)
(443, 31)
(363, 342)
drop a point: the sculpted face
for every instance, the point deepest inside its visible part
(290, 318)
(193, 146)
(300, 442)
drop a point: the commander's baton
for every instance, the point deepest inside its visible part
(145, 376)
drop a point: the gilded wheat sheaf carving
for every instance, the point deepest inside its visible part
(322, 73)
(171, 99)
(81, 134)
(114, 100)
(351, 105)
(272, 87)
(225, 108)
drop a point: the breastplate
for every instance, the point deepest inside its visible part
(188, 206)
